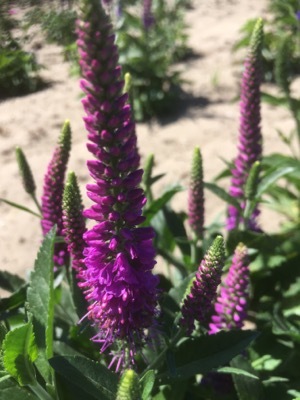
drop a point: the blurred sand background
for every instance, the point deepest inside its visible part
(210, 121)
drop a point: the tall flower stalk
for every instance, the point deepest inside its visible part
(119, 257)
(250, 137)
(231, 304)
(198, 303)
(53, 192)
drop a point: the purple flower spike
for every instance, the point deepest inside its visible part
(53, 192)
(118, 281)
(148, 17)
(196, 195)
(198, 302)
(250, 138)
(231, 304)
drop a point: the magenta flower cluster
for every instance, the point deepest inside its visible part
(250, 138)
(231, 304)
(119, 257)
(51, 203)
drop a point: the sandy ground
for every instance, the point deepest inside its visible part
(34, 121)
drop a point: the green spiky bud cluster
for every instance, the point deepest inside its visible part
(252, 181)
(198, 303)
(25, 172)
(257, 38)
(129, 386)
(73, 221)
(196, 195)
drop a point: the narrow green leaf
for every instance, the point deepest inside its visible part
(16, 300)
(19, 352)
(10, 390)
(10, 282)
(40, 296)
(147, 383)
(222, 194)
(236, 371)
(201, 355)
(272, 176)
(157, 205)
(20, 207)
(247, 388)
(92, 377)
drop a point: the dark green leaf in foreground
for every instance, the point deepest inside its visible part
(16, 300)
(201, 355)
(19, 352)
(273, 175)
(10, 282)
(10, 390)
(247, 388)
(40, 298)
(92, 377)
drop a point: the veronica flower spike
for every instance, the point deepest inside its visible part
(53, 193)
(198, 303)
(119, 256)
(250, 138)
(231, 305)
(196, 196)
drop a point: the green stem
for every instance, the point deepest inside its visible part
(36, 203)
(40, 392)
(172, 343)
(173, 260)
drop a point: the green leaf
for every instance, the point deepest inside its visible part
(200, 355)
(20, 207)
(274, 100)
(236, 371)
(9, 389)
(16, 300)
(10, 282)
(92, 377)
(247, 388)
(222, 194)
(147, 383)
(19, 352)
(158, 204)
(40, 296)
(272, 176)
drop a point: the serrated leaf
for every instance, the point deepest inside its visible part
(10, 390)
(147, 383)
(247, 388)
(222, 194)
(19, 352)
(10, 282)
(201, 355)
(40, 296)
(90, 376)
